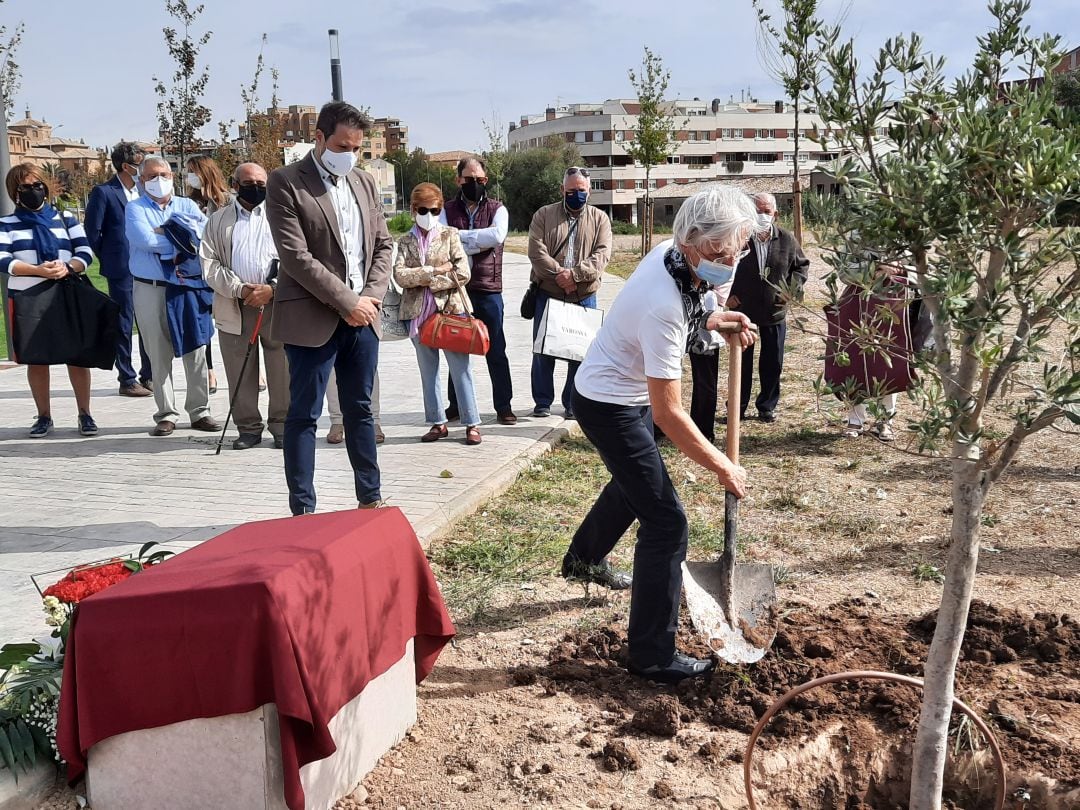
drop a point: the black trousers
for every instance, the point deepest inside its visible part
(770, 352)
(640, 488)
(704, 370)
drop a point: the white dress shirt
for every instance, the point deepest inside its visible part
(350, 223)
(762, 248)
(132, 193)
(252, 244)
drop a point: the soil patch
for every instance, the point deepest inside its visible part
(1022, 672)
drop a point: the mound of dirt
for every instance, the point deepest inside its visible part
(1033, 661)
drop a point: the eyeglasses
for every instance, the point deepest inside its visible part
(252, 183)
(577, 170)
(35, 186)
(422, 210)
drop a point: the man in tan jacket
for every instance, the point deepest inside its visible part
(569, 247)
(237, 254)
(327, 221)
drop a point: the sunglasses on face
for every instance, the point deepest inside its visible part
(576, 170)
(36, 186)
(422, 210)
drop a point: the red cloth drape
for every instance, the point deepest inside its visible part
(301, 612)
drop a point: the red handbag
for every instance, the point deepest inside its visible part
(456, 333)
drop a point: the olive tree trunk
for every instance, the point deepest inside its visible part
(931, 742)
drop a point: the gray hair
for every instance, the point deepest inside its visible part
(719, 216)
(765, 197)
(153, 160)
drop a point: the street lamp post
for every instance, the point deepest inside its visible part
(335, 66)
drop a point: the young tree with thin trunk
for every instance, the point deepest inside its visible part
(790, 56)
(966, 195)
(654, 137)
(181, 113)
(10, 77)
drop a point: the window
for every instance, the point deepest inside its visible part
(728, 134)
(598, 135)
(639, 185)
(597, 185)
(789, 157)
(673, 159)
(618, 136)
(763, 157)
(579, 137)
(766, 133)
(652, 184)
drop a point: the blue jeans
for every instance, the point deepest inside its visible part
(543, 368)
(488, 307)
(461, 374)
(354, 353)
(120, 291)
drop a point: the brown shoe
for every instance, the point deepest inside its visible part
(163, 428)
(206, 424)
(135, 390)
(507, 418)
(380, 437)
(372, 505)
(336, 434)
(472, 435)
(437, 432)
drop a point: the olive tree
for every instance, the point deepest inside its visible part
(963, 188)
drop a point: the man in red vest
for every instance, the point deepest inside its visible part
(482, 223)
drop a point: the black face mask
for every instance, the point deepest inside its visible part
(472, 190)
(252, 195)
(32, 198)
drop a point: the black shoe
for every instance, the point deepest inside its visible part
(602, 573)
(680, 668)
(279, 443)
(767, 416)
(452, 414)
(247, 441)
(569, 413)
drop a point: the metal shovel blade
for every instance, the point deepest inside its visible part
(752, 630)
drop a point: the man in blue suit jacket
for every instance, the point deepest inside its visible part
(105, 230)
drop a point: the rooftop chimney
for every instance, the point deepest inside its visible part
(549, 114)
(513, 126)
(778, 106)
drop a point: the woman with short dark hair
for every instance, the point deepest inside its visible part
(38, 244)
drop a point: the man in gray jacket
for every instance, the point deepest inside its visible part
(237, 255)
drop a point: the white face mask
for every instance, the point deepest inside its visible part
(159, 187)
(339, 163)
(193, 180)
(765, 220)
(426, 221)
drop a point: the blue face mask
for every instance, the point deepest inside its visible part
(575, 200)
(713, 273)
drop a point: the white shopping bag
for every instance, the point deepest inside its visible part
(567, 330)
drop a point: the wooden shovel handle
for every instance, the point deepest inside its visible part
(734, 395)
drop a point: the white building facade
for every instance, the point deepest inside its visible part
(714, 141)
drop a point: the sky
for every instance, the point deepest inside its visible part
(443, 68)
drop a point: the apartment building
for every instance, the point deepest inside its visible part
(714, 141)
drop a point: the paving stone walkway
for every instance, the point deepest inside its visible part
(69, 500)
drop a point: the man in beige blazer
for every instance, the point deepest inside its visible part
(238, 255)
(327, 221)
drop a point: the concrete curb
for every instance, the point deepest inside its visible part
(437, 525)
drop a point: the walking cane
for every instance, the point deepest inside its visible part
(247, 356)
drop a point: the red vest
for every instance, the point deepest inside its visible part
(487, 264)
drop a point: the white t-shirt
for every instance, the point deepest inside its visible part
(644, 335)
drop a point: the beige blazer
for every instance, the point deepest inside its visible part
(313, 294)
(592, 244)
(414, 275)
(215, 254)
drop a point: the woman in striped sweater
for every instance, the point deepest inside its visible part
(39, 243)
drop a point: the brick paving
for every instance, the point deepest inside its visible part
(69, 500)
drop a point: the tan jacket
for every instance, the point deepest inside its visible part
(215, 253)
(592, 242)
(414, 276)
(313, 294)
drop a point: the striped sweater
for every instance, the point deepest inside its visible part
(17, 244)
